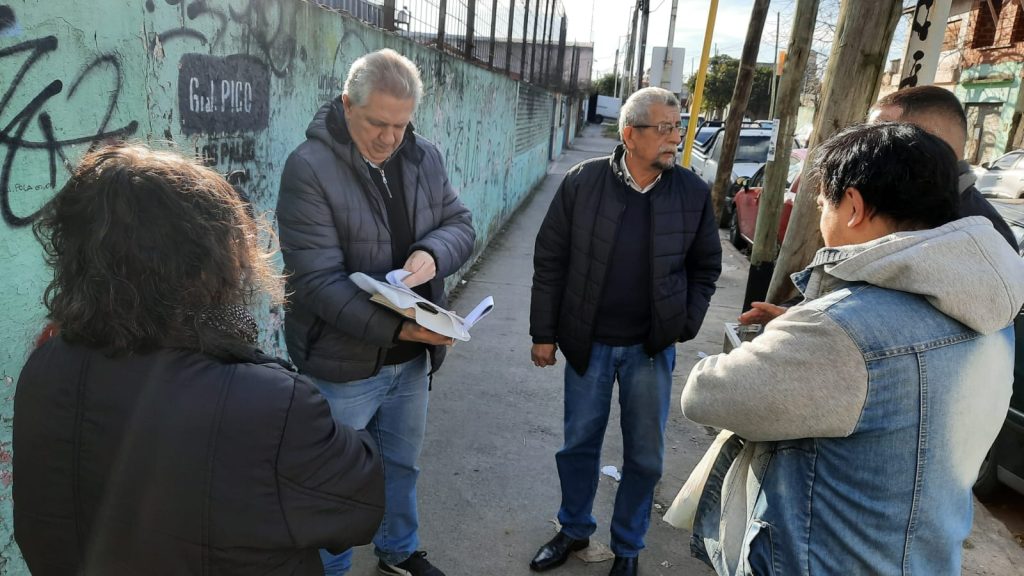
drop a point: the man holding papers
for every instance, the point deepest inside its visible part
(365, 193)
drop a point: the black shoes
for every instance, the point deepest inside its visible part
(556, 552)
(624, 567)
(415, 565)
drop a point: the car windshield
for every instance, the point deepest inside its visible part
(752, 149)
(705, 134)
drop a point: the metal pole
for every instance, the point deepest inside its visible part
(533, 45)
(470, 32)
(698, 90)
(508, 43)
(494, 25)
(440, 24)
(526, 30)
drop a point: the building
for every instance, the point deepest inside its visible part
(981, 61)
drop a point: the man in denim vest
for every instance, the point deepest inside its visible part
(866, 410)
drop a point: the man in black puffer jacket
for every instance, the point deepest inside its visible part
(364, 193)
(624, 267)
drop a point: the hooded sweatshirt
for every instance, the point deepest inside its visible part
(867, 409)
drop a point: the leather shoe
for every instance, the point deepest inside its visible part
(624, 567)
(556, 552)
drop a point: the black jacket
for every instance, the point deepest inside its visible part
(332, 222)
(972, 203)
(175, 462)
(575, 242)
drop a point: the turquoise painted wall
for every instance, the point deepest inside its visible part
(235, 81)
(995, 84)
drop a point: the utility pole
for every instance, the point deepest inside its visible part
(646, 6)
(627, 76)
(775, 65)
(769, 211)
(863, 35)
(666, 68)
(615, 70)
(738, 105)
(698, 89)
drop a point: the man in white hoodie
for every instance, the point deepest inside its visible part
(866, 410)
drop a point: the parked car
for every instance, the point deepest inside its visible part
(701, 138)
(1004, 177)
(745, 203)
(1004, 463)
(751, 152)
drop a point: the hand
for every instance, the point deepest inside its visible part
(421, 268)
(761, 313)
(543, 355)
(413, 332)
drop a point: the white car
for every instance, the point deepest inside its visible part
(1004, 177)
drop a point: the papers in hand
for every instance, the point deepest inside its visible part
(394, 294)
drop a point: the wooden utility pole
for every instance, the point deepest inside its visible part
(769, 211)
(863, 35)
(627, 82)
(666, 65)
(645, 6)
(738, 105)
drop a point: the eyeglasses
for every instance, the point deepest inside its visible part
(664, 128)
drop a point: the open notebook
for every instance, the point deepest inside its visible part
(397, 296)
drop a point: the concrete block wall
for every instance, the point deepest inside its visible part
(235, 81)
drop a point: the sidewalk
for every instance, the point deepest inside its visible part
(488, 489)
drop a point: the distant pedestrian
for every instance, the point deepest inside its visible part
(625, 265)
(150, 434)
(365, 193)
(866, 410)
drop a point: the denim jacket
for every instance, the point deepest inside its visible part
(866, 410)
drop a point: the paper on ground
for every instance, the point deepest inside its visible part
(396, 295)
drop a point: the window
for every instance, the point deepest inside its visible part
(752, 149)
(795, 165)
(1017, 35)
(952, 37)
(1006, 162)
(984, 25)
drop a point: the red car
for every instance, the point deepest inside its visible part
(745, 202)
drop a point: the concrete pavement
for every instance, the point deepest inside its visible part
(488, 489)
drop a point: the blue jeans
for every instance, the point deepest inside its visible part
(391, 406)
(645, 386)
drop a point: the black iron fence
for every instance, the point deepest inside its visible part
(525, 39)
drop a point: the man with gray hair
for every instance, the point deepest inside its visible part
(624, 267)
(365, 193)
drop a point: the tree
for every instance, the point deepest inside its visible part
(864, 32)
(605, 85)
(721, 78)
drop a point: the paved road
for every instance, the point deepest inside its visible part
(488, 487)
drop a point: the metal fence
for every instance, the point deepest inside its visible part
(525, 39)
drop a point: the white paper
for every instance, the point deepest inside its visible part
(482, 309)
(428, 314)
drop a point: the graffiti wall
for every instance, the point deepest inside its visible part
(233, 81)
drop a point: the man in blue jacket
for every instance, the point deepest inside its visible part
(365, 193)
(624, 267)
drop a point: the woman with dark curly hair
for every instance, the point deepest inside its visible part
(150, 434)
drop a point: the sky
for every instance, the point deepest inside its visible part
(606, 23)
